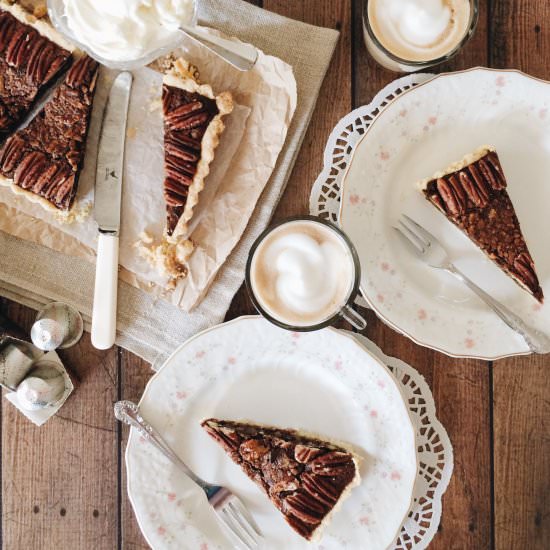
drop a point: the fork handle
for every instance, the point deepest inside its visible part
(537, 341)
(128, 413)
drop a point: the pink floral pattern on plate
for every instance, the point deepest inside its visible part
(420, 132)
(325, 367)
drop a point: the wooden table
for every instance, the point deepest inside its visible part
(63, 485)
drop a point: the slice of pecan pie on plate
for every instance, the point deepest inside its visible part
(31, 55)
(43, 161)
(192, 127)
(472, 194)
(305, 477)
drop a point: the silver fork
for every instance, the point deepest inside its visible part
(431, 251)
(230, 511)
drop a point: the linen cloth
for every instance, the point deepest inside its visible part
(34, 275)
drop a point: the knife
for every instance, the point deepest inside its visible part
(108, 194)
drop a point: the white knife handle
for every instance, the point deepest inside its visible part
(105, 292)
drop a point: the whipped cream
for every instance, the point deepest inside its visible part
(126, 30)
(302, 273)
(419, 30)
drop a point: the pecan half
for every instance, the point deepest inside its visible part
(334, 463)
(450, 197)
(305, 454)
(492, 159)
(305, 507)
(11, 154)
(525, 267)
(319, 488)
(474, 185)
(253, 451)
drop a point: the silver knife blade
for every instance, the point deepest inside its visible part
(110, 156)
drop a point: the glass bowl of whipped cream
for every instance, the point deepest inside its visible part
(123, 34)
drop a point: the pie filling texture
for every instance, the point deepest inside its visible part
(28, 62)
(304, 477)
(475, 199)
(186, 118)
(46, 157)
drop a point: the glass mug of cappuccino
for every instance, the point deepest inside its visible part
(303, 274)
(410, 35)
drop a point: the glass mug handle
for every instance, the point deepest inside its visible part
(353, 318)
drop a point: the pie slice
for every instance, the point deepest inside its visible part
(29, 61)
(306, 478)
(472, 194)
(192, 126)
(43, 161)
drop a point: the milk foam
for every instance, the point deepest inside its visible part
(125, 30)
(419, 30)
(302, 273)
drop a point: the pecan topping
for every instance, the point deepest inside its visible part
(303, 477)
(83, 74)
(305, 454)
(474, 185)
(526, 269)
(11, 154)
(319, 488)
(305, 507)
(186, 117)
(30, 168)
(500, 180)
(485, 169)
(253, 451)
(449, 196)
(334, 463)
(475, 199)
(228, 438)
(8, 24)
(16, 51)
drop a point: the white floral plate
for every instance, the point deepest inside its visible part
(324, 382)
(424, 130)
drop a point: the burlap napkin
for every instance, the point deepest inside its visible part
(34, 275)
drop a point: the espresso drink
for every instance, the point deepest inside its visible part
(302, 273)
(419, 30)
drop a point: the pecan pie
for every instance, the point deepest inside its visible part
(306, 478)
(29, 60)
(192, 125)
(43, 161)
(472, 194)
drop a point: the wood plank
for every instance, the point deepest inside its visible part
(460, 387)
(135, 373)
(521, 39)
(59, 481)
(334, 102)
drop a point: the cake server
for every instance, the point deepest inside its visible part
(431, 251)
(108, 195)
